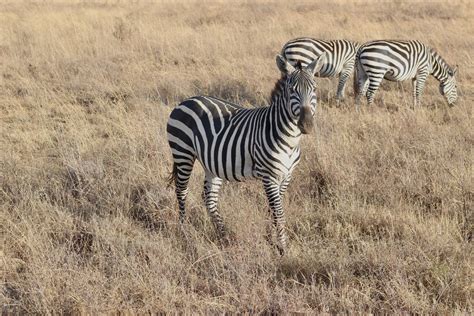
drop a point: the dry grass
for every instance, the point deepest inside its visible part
(380, 212)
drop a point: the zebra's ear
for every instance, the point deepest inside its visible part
(284, 66)
(316, 64)
(455, 70)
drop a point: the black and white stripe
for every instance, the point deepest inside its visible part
(236, 143)
(399, 61)
(340, 57)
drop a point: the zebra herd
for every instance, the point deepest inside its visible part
(235, 143)
(374, 61)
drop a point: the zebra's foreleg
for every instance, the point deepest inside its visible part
(418, 86)
(269, 232)
(212, 186)
(272, 190)
(284, 186)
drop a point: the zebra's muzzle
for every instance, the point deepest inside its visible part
(305, 122)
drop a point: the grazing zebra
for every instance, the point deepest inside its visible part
(340, 58)
(399, 61)
(236, 143)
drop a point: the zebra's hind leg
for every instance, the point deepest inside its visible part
(212, 185)
(362, 91)
(181, 173)
(346, 72)
(415, 98)
(272, 191)
(361, 84)
(374, 85)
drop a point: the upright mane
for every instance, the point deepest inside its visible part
(440, 60)
(278, 88)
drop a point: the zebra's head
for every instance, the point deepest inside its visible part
(448, 87)
(300, 87)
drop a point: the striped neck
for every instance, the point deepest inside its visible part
(439, 67)
(284, 129)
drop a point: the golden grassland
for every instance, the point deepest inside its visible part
(380, 211)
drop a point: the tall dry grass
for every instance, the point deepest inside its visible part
(380, 211)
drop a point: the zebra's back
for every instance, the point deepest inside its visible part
(398, 59)
(216, 133)
(341, 53)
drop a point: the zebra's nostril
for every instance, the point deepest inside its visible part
(305, 122)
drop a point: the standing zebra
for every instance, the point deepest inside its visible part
(399, 61)
(340, 58)
(236, 143)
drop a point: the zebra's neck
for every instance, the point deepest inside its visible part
(439, 68)
(284, 129)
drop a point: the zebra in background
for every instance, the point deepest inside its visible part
(236, 143)
(399, 61)
(340, 58)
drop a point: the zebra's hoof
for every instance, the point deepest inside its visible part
(281, 250)
(269, 239)
(228, 239)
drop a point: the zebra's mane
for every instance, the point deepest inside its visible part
(301, 75)
(440, 60)
(278, 88)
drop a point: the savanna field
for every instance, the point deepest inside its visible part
(379, 212)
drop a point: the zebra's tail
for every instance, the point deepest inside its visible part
(173, 175)
(356, 77)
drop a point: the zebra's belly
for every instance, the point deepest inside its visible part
(330, 70)
(227, 163)
(395, 75)
(234, 174)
